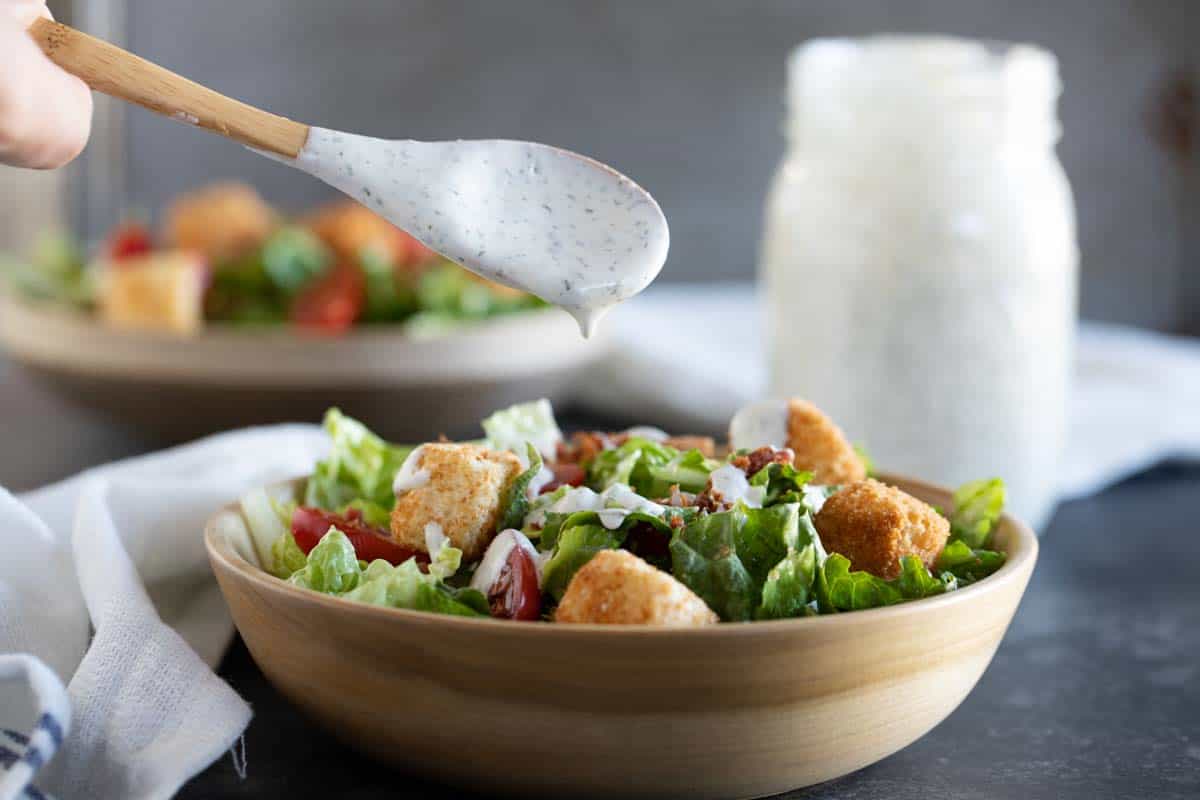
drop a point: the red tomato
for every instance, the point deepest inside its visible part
(565, 474)
(370, 543)
(331, 303)
(515, 594)
(126, 240)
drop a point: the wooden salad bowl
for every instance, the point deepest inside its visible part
(730, 710)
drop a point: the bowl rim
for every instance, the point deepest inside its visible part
(1022, 552)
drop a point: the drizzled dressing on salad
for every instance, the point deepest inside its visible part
(642, 533)
(568, 229)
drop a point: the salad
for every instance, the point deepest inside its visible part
(634, 527)
(224, 255)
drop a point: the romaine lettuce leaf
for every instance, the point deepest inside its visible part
(789, 586)
(688, 470)
(977, 509)
(968, 564)
(726, 557)
(405, 586)
(516, 501)
(360, 466)
(650, 468)
(839, 589)
(574, 546)
(331, 566)
(286, 556)
(515, 427)
(784, 483)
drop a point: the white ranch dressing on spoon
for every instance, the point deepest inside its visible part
(568, 229)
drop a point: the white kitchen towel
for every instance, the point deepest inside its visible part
(111, 622)
(689, 356)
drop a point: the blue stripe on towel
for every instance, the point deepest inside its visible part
(51, 726)
(8, 757)
(16, 736)
(34, 758)
(34, 793)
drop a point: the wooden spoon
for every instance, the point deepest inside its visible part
(548, 221)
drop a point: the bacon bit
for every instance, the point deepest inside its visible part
(565, 474)
(676, 521)
(753, 462)
(710, 500)
(678, 499)
(586, 445)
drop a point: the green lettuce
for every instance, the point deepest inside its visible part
(286, 556)
(650, 468)
(405, 586)
(977, 509)
(293, 257)
(839, 589)
(516, 500)
(516, 427)
(789, 586)
(783, 482)
(360, 466)
(968, 564)
(54, 271)
(574, 546)
(727, 557)
(387, 298)
(572, 539)
(333, 568)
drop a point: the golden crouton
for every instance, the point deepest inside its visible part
(875, 525)
(820, 446)
(618, 588)
(460, 487)
(161, 291)
(349, 228)
(223, 221)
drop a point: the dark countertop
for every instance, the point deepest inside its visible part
(1094, 693)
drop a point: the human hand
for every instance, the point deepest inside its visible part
(45, 113)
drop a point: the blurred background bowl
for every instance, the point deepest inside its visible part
(176, 388)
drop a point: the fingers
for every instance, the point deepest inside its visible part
(45, 113)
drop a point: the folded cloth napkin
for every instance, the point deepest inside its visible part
(111, 622)
(689, 356)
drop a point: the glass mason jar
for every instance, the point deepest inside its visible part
(919, 260)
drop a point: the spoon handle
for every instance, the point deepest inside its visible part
(113, 71)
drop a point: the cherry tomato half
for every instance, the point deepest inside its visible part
(515, 594)
(127, 240)
(331, 303)
(370, 543)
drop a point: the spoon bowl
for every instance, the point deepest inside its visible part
(548, 221)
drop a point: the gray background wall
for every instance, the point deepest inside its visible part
(685, 96)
